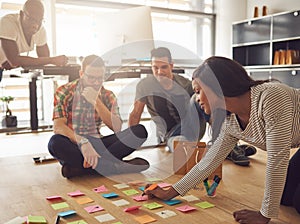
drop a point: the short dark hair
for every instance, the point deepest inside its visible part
(92, 60)
(225, 76)
(161, 52)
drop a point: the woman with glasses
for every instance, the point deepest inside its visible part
(20, 33)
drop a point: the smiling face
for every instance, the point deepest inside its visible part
(32, 17)
(206, 97)
(162, 70)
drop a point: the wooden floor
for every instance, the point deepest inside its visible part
(24, 187)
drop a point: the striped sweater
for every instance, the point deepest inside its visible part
(274, 126)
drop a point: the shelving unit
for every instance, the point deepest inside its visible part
(255, 41)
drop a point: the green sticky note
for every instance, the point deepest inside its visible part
(60, 205)
(130, 192)
(205, 205)
(36, 219)
(153, 205)
(78, 222)
(117, 223)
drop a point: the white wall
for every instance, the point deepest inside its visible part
(229, 11)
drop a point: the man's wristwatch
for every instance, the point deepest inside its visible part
(82, 141)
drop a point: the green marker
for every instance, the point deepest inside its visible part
(206, 185)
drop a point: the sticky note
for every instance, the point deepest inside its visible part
(117, 223)
(121, 186)
(121, 202)
(140, 198)
(75, 193)
(54, 197)
(132, 208)
(172, 202)
(145, 219)
(190, 198)
(142, 188)
(61, 205)
(130, 192)
(84, 200)
(153, 179)
(78, 222)
(104, 218)
(36, 219)
(110, 195)
(93, 208)
(186, 208)
(100, 189)
(153, 205)
(205, 205)
(66, 213)
(166, 214)
(137, 183)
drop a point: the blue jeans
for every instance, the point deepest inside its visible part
(192, 127)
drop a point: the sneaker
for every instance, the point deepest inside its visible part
(237, 156)
(70, 172)
(249, 150)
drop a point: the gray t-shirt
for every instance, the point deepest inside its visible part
(166, 107)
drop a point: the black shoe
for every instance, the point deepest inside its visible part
(69, 172)
(249, 150)
(237, 156)
(135, 165)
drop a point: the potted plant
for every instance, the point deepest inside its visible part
(9, 120)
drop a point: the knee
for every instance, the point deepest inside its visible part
(140, 131)
(54, 143)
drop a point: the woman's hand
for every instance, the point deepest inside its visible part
(161, 193)
(90, 156)
(248, 217)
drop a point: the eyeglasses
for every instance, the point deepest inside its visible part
(93, 78)
(33, 20)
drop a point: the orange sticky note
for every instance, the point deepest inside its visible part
(145, 219)
(84, 200)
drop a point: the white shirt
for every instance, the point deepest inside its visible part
(11, 29)
(274, 126)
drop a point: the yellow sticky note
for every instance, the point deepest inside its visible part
(60, 205)
(36, 219)
(145, 219)
(205, 205)
(84, 200)
(130, 192)
(153, 205)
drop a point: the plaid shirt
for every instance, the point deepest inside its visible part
(81, 115)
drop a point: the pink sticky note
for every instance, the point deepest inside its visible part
(162, 185)
(93, 208)
(75, 193)
(140, 198)
(54, 197)
(100, 189)
(132, 208)
(185, 208)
